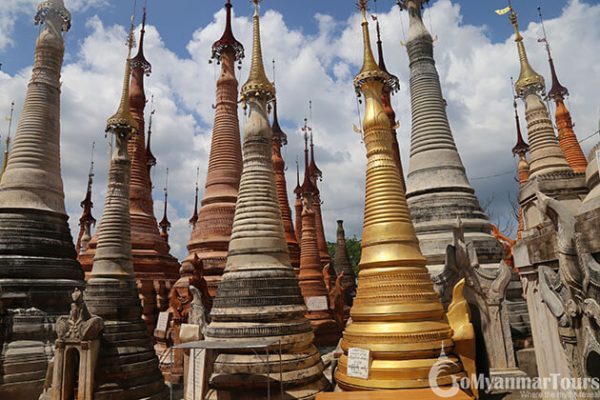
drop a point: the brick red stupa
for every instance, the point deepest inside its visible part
(212, 230)
(155, 269)
(312, 282)
(279, 140)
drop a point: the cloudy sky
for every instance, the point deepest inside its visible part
(317, 46)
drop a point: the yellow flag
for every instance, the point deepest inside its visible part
(503, 11)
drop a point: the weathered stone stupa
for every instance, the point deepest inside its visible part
(127, 367)
(311, 279)
(259, 296)
(396, 314)
(155, 269)
(38, 261)
(342, 264)
(279, 140)
(438, 190)
(212, 231)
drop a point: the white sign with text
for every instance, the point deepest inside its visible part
(163, 321)
(317, 303)
(359, 362)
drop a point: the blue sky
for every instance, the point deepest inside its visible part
(318, 48)
(178, 19)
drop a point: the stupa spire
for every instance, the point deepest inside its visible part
(36, 281)
(437, 188)
(566, 136)
(520, 150)
(279, 140)
(395, 293)
(150, 159)
(212, 231)
(343, 265)
(7, 141)
(194, 217)
(152, 263)
(111, 291)
(545, 153)
(392, 86)
(165, 224)
(87, 220)
(298, 203)
(259, 294)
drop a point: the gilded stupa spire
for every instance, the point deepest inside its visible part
(123, 120)
(370, 69)
(257, 84)
(396, 313)
(7, 141)
(529, 80)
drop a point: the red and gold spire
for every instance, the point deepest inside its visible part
(298, 204)
(279, 140)
(566, 136)
(211, 234)
(165, 224)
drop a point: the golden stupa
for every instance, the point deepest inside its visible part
(396, 314)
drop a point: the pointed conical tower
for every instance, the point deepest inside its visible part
(342, 263)
(316, 175)
(279, 140)
(194, 217)
(38, 261)
(544, 150)
(520, 150)
(566, 136)
(311, 279)
(127, 367)
(87, 220)
(438, 190)
(212, 232)
(298, 204)
(259, 296)
(150, 159)
(165, 224)
(396, 313)
(392, 85)
(153, 265)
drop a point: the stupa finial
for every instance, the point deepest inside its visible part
(521, 147)
(557, 91)
(139, 61)
(392, 83)
(370, 69)
(165, 224)
(122, 120)
(194, 218)
(228, 40)
(150, 159)
(529, 80)
(257, 84)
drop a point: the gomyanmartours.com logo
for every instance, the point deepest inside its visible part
(558, 386)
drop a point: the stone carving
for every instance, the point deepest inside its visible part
(80, 324)
(485, 291)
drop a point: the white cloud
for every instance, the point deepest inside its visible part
(475, 79)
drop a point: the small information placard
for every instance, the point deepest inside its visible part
(359, 362)
(316, 303)
(196, 375)
(163, 321)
